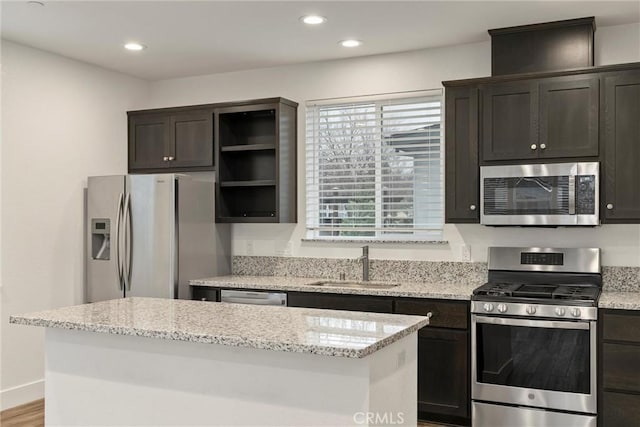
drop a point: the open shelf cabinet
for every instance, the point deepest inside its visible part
(256, 158)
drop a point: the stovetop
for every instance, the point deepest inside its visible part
(559, 283)
(540, 291)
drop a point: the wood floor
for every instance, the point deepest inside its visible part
(32, 415)
(29, 415)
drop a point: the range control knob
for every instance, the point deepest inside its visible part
(531, 309)
(560, 311)
(502, 308)
(488, 306)
(575, 312)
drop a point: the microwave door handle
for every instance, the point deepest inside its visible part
(572, 194)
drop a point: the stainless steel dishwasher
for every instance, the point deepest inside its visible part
(253, 297)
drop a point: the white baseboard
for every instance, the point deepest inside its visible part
(25, 393)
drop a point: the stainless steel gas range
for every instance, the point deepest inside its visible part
(533, 338)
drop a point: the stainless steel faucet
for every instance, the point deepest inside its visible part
(365, 263)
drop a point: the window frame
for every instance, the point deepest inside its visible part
(313, 182)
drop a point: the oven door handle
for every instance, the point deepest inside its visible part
(533, 323)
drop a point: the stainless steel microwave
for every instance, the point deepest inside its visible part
(542, 194)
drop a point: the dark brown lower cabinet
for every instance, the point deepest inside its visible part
(340, 302)
(442, 375)
(620, 409)
(204, 293)
(620, 369)
(443, 359)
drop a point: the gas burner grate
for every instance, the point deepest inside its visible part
(497, 289)
(576, 292)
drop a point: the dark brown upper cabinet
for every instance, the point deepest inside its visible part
(550, 118)
(462, 202)
(170, 140)
(148, 141)
(256, 173)
(509, 121)
(568, 117)
(547, 46)
(621, 142)
(191, 144)
(588, 114)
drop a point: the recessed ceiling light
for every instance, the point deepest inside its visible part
(134, 46)
(313, 19)
(350, 43)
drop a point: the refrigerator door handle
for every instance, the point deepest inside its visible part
(117, 242)
(128, 239)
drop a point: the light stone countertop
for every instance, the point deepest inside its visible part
(286, 283)
(620, 300)
(290, 329)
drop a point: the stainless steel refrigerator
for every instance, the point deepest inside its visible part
(148, 235)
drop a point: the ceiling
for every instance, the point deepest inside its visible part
(187, 38)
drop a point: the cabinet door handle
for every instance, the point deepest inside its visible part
(543, 146)
(472, 207)
(165, 159)
(610, 206)
(171, 158)
(534, 146)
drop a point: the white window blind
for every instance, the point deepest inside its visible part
(375, 168)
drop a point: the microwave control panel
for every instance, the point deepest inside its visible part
(586, 195)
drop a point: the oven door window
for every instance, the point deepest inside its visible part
(547, 195)
(537, 358)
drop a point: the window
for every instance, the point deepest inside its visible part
(374, 168)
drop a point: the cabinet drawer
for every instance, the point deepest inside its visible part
(621, 366)
(340, 302)
(620, 409)
(203, 293)
(444, 314)
(621, 326)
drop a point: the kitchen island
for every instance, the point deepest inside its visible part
(144, 361)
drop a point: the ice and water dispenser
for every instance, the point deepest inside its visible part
(100, 238)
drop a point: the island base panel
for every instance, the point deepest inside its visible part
(104, 379)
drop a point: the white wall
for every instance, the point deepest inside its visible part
(62, 121)
(617, 44)
(391, 73)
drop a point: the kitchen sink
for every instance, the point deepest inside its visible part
(358, 285)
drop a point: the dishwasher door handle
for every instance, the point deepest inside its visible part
(254, 298)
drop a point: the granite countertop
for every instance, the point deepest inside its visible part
(620, 300)
(404, 289)
(290, 329)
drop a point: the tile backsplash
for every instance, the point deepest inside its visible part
(386, 270)
(614, 278)
(622, 279)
